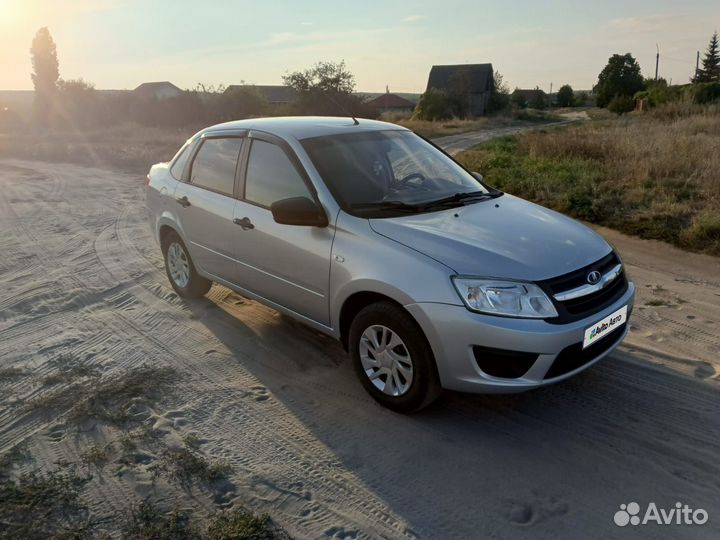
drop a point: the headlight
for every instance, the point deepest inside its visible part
(510, 298)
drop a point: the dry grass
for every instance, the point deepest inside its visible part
(450, 127)
(43, 505)
(127, 147)
(187, 466)
(455, 126)
(110, 400)
(133, 148)
(147, 522)
(654, 175)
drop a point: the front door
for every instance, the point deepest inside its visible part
(286, 264)
(207, 205)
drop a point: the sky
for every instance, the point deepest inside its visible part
(122, 43)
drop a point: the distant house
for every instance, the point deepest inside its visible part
(391, 103)
(158, 90)
(274, 94)
(474, 81)
(530, 97)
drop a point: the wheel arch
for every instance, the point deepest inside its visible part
(352, 305)
(164, 231)
(166, 224)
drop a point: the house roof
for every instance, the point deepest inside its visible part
(479, 76)
(391, 101)
(155, 86)
(273, 93)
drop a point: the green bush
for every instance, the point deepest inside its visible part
(703, 233)
(621, 104)
(434, 105)
(581, 99)
(658, 93)
(705, 92)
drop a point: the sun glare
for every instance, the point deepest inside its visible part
(10, 11)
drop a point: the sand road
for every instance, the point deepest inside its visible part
(80, 274)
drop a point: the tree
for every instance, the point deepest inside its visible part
(45, 73)
(620, 77)
(327, 89)
(566, 96)
(434, 105)
(323, 77)
(500, 96)
(710, 71)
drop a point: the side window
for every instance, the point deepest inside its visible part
(215, 163)
(180, 160)
(271, 176)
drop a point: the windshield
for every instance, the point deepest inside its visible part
(383, 172)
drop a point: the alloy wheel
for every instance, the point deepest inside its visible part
(386, 360)
(178, 265)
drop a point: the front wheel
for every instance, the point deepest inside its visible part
(392, 358)
(181, 270)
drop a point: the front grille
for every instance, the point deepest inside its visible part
(503, 363)
(584, 306)
(574, 356)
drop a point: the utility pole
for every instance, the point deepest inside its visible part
(697, 65)
(657, 60)
(550, 97)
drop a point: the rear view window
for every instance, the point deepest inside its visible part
(271, 176)
(215, 163)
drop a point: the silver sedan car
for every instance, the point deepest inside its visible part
(363, 230)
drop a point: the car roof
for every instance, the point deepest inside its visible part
(303, 127)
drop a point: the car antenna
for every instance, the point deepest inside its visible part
(343, 109)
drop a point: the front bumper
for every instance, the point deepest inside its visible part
(453, 331)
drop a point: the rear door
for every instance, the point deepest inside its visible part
(286, 264)
(206, 204)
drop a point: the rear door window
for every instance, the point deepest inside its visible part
(215, 164)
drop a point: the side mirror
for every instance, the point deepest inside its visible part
(479, 177)
(298, 211)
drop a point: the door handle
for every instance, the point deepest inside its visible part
(183, 201)
(245, 223)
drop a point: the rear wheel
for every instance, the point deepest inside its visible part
(392, 358)
(181, 270)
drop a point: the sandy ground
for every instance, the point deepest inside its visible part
(80, 275)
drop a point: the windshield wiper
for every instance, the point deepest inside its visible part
(463, 196)
(387, 205)
(420, 207)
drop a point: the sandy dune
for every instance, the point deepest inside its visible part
(80, 275)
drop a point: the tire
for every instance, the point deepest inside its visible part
(188, 283)
(409, 365)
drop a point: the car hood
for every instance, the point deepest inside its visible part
(506, 237)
